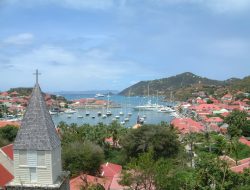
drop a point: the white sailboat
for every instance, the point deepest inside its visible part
(109, 113)
(149, 106)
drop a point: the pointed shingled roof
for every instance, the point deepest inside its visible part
(37, 131)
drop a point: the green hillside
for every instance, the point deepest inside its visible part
(185, 85)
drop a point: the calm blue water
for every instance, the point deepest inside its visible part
(127, 104)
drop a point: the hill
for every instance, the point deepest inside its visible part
(184, 85)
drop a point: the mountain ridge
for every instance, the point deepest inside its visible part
(187, 83)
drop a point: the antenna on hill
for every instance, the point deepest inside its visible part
(37, 74)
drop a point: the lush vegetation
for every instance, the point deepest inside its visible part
(238, 124)
(7, 134)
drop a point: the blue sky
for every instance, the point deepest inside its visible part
(111, 44)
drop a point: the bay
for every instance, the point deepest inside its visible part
(127, 104)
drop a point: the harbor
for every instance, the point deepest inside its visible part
(125, 111)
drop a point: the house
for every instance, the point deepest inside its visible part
(214, 120)
(243, 140)
(227, 98)
(84, 180)
(109, 178)
(187, 125)
(5, 123)
(242, 164)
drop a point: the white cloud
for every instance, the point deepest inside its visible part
(95, 68)
(218, 6)
(73, 4)
(224, 6)
(19, 39)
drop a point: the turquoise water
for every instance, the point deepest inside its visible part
(127, 104)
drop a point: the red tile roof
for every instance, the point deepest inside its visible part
(5, 176)
(240, 168)
(4, 94)
(115, 183)
(4, 123)
(78, 182)
(243, 140)
(8, 150)
(109, 170)
(187, 125)
(214, 119)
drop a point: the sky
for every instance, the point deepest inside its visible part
(82, 45)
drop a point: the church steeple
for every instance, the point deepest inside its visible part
(37, 131)
(37, 149)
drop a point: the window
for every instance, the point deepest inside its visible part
(32, 158)
(22, 157)
(41, 158)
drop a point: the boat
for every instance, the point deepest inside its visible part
(126, 119)
(98, 95)
(53, 113)
(129, 114)
(104, 116)
(176, 115)
(99, 114)
(148, 107)
(117, 117)
(109, 113)
(121, 113)
(79, 116)
(69, 116)
(70, 111)
(87, 113)
(93, 117)
(122, 122)
(166, 109)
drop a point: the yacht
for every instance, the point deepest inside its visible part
(126, 119)
(98, 95)
(117, 117)
(79, 116)
(166, 109)
(70, 111)
(52, 112)
(148, 107)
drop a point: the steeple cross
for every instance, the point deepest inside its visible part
(37, 73)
